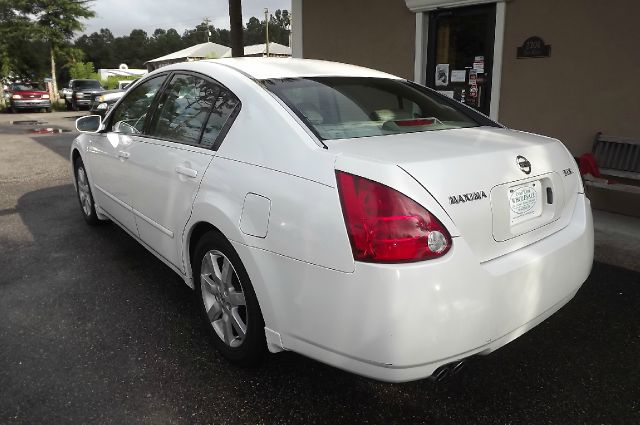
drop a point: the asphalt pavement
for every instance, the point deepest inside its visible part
(94, 329)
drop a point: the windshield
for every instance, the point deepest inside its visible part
(25, 86)
(86, 84)
(347, 107)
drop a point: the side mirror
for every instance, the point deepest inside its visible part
(89, 124)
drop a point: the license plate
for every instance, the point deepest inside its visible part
(525, 202)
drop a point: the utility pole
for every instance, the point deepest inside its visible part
(235, 27)
(266, 25)
(206, 22)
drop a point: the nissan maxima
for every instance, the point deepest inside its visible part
(339, 212)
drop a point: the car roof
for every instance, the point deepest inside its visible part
(264, 68)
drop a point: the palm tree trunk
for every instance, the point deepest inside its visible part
(235, 27)
(54, 95)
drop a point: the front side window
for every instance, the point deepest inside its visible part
(184, 109)
(347, 107)
(130, 115)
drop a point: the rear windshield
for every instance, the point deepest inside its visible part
(86, 84)
(347, 107)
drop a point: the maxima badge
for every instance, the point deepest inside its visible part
(524, 164)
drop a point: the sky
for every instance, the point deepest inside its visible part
(122, 16)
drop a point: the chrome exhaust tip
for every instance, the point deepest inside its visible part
(447, 371)
(457, 367)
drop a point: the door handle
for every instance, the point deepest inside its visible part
(123, 154)
(189, 172)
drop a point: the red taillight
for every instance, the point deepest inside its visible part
(386, 226)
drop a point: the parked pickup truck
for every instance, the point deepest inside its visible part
(24, 96)
(82, 92)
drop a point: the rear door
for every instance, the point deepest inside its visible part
(169, 161)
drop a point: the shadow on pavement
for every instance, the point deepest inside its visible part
(58, 143)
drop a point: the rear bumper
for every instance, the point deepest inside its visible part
(31, 103)
(401, 322)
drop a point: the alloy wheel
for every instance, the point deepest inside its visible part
(83, 191)
(223, 298)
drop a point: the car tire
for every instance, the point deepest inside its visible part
(47, 110)
(227, 301)
(67, 105)
(85, 196)
(74, 106)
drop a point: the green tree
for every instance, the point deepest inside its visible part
(224, 37)
(56, 22)
(82, 70)
(97, 48)
(165, 43)
(70, 55)
(138, 46)
(107, 51)
(16, 31)
(254, 34)
(279, 24)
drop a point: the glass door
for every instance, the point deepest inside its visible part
(460, 54)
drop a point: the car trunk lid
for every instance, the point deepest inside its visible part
(481, 178)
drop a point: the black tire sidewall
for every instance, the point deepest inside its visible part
(92, 218)
(254, 346)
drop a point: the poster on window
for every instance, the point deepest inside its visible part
(442, 74)
(478, 64)
(458, 75)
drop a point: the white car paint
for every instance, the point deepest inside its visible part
(106, 154)
(271, 189)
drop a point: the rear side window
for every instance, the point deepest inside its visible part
(348, 107)
(184, 109)
(223, 107)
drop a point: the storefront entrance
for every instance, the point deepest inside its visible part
(460, 54)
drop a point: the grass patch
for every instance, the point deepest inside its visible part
(59, 106)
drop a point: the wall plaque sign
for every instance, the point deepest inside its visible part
(534, 47)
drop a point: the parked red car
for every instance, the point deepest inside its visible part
(28, 96)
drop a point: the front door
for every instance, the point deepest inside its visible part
(107, 161)
(460, 54)
(109, 153)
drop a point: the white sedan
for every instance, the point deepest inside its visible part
(339, 212)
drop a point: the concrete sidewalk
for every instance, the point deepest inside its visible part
(617, 239)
